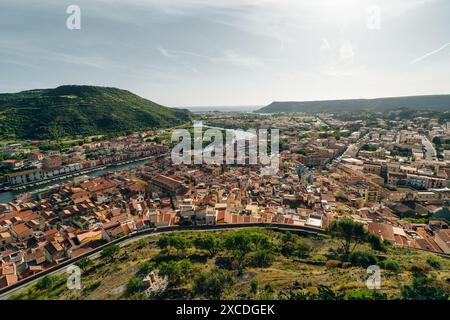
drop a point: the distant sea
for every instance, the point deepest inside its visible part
(223, 108)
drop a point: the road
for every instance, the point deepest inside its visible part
(352, 150)
(429, 150)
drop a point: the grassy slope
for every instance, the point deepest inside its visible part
(85, 110)
(107, 281)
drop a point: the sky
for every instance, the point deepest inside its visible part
(229, 52)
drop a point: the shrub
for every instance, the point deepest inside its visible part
(362, 259)
(433, 262)
(84, 263)
(303, 249)
(376, 242)
(134, 285)
(254, 286)
(175, 271)
(146, 267)
(241, 243)
(262, 258)
(45, 283)
(390, 265)
(109, 253)
(299, 249)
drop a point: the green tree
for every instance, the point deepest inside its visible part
(209, 243)
(84, 263)
(239, 244)
(362, 259)
(175, 271)
(173, 241)
(45, 282)
(110, 252)
(390, 265)
(293, 247)
(163, 243)
(262, 258)
(134, 285)
(260, 241)
(376, 242)
(180, 244)
(145, 268)
(349, 231)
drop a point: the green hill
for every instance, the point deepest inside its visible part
(81, 110)
(425, 103)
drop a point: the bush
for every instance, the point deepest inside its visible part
(146, 267)
(288, 248)
(299, 249)
(109, 253)
(84, 263)
(433, 262)
(363, 258)
(254, 286)
(45, 283)
(241, 243)
(390, 265)
(262, 258)
(376, 242)
(134, 285)
(175, 271)
(303, 249)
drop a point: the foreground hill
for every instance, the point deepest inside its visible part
(277, 265)
(425, 103)
(81, 110)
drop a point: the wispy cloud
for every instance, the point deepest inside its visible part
(174, 56)
(232, 57)
(423, 57)
(235, 58)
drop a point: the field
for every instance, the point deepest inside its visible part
(309, 271)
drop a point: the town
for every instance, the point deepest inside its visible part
(390, 174)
